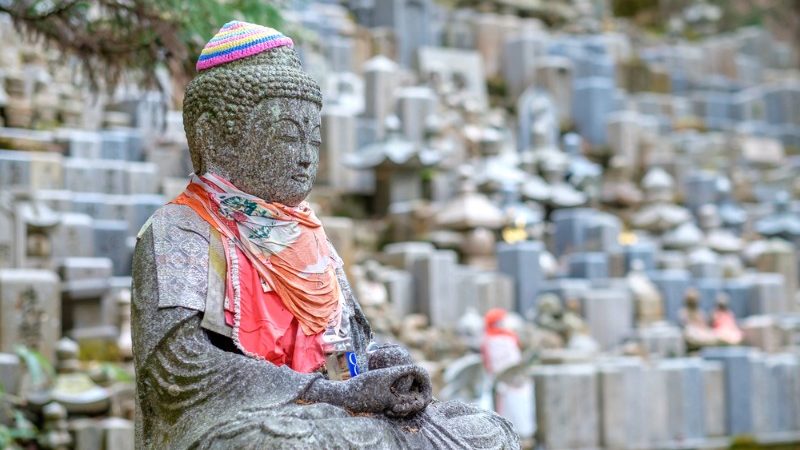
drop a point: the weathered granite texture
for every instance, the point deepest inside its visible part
(256, 122)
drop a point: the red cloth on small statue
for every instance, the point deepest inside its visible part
(500, 346)
(267, 328)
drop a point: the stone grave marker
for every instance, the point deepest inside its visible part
(780, 256)
(589, 265)
(435, 276)
(570, 229)
(73, 236)
(139, 178)
(55, 199)
(609, 313)
(118, 433)
(110, 241)
(714, 398)
(31, 310)
(85, 282)
(593, 101)
(86, 434)
(380, 81)
(520, 54)
(10, 372)
(520, 262)
(769, 294)
(624, 403)
(400, 290)
(740, 291)
(684, 383)
(464, 68)
(762, 332)
(414, 105)
(339, 138)
(555, 75)
(567, 409)
(738, 386)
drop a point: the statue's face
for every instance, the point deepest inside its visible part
(279, 152)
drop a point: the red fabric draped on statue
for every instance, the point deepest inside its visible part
(266, 328)
(281, 286)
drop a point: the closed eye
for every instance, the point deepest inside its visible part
(288, 137)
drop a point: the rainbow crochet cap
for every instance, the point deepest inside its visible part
(237, 40)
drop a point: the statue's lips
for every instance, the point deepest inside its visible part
(300, 177)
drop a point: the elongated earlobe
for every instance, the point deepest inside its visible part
(203, 144)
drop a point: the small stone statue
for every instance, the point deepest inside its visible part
(723, 322)
(647, 299)
(236, 287)
(696, 331)
(55, 435)
(550, 321)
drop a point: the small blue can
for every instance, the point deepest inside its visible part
(352, 363)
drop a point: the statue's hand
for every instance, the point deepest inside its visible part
(396, 391)
(389, 356)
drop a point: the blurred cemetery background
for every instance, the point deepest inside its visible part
(621, 177)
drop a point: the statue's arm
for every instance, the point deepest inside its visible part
(359, 325)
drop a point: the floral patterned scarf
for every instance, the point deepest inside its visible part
(286, 245)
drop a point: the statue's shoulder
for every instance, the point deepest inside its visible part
(174, 219)
(177, 241)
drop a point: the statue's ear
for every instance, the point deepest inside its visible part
(205, 142)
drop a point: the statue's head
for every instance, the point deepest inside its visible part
(252, 114)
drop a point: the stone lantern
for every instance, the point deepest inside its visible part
(659, 214)
(29, 228)
(396, 163)
(782, 223)
(474, 219)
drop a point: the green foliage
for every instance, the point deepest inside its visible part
(111, 37)
(21, 428)
(747, 442)
(39, 368)
(198, 20)
(116, 373)
(496, 87)
(632, 8)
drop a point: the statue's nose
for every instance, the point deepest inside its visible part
(307, 156)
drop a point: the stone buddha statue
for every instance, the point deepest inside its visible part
(238, 294)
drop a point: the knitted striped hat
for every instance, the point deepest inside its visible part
(237, 40)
